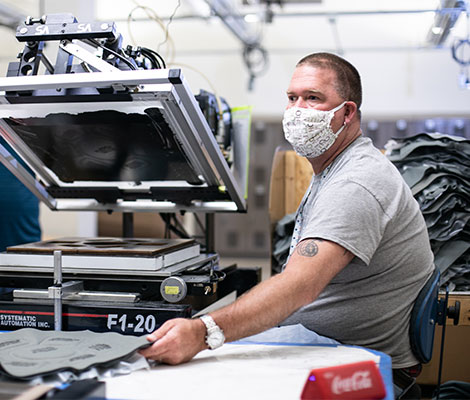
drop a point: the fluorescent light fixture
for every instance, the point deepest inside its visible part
(251, 18)
(444, 20)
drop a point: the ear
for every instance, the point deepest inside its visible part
(350, 111)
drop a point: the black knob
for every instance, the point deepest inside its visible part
(453, 312)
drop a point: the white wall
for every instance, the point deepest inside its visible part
(401, 75)
(414, 83)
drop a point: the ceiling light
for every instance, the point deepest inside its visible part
(251, 18)
(445, 18)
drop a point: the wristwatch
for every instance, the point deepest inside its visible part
(215, 336)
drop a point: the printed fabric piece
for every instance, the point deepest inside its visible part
(28, 353)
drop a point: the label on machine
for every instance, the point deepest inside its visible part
(124, 319)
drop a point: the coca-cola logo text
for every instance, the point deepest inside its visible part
(358, 381)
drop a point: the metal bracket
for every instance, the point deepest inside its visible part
(55, 291)
(87, 57)
(38, 31)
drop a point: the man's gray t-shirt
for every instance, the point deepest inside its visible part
(362, 203)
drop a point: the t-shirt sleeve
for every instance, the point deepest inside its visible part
(348, 214)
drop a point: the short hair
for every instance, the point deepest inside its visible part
(348, 81)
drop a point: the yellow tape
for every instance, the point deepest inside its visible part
(172, 290)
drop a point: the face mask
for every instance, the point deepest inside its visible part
(308, 130)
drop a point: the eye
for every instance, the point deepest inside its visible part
(312, 97)
(291, 99)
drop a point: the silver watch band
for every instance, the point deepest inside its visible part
(208, 321)
(215, 336)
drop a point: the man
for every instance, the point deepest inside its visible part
(360, 251)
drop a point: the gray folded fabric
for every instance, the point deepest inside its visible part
(450, 230)
(462, 149)
(28, 353)
(442, 186)
(441, 219)
(403, 147)
(437, 169)
(412, 173)
(449, 253)
(285, 226)
(458, 275)
(453, 390)
(432, 136)
(281, 242)
(450, 201)
(441, 156)
(427, 181)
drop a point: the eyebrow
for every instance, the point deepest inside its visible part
(316, 92)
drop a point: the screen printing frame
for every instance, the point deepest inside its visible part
(165, 87)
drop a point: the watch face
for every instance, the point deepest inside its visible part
(215, 339)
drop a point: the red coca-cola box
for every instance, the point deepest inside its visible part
(361, 380)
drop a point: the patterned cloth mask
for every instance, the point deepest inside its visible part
(308, 130)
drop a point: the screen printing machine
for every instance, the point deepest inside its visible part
(112, 129)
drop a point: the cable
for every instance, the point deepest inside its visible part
(463, 59)
(256, 60)
(156, 54)
(47, 64)
(115, 54)
(168, 25)
(169, 227)
(151, 14)
(152, 58)
(461, 54)
(199, 223)
(178, 229)
(177, 224)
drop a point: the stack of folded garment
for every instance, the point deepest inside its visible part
(437, 169)
(282, 237)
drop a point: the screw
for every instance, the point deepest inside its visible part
(104, 26)
(23, 30)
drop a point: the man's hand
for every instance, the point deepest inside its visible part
(176, 341)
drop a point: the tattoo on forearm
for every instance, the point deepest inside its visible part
(308, 248)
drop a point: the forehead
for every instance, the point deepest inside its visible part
(315, 79)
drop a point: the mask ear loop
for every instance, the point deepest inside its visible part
(338, 107)
(340, 129)
(344, 123)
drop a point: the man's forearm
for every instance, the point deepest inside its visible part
(261, 308)
(273, 300)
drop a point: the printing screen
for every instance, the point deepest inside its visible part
(104, 144)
